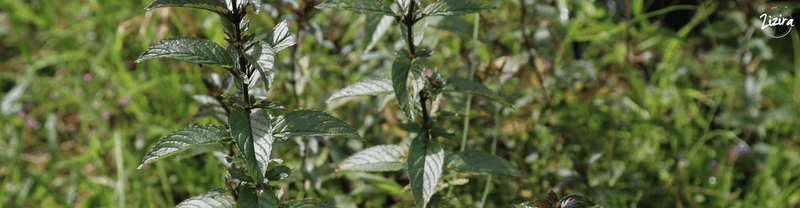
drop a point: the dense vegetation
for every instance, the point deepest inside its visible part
(630, 103)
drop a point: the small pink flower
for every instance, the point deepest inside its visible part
(21, 114)
(87, 77)
(428, 72)
(31, 123)
(124, 100)
(105, 115)
(109, 86)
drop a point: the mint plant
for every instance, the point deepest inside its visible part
(419, 94)
(239, 101)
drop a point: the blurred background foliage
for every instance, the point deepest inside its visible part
(641, 103)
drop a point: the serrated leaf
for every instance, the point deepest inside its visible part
(469, 86)
(194, 50)
(456, 7)
(374, 29)
(253, 136)
(306, 203)
(279, 38)
(184, 139)
(278, 173)
(262, 57)
(376, 158)
(312, 123)
(370, 86)
(255, 5)
(359, 6)
(400, 69)
(213, 199)
(473, 161)
(425, 161)
(218, 6)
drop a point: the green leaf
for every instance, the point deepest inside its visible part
(218, 6)
(247, 197)
(306, 203)
(267, 198)
(473, 161)
(279, 38)
(469, 86)
(371, 86)
(240, 174)
(359, 6)
(312, 123)
(400, 69)
(376, 158)
(184, 139)
(456, 7)
(278, 173)
(253, 136)
(374, 29)
(262, 57)
(194, 50)
(425, 161)
(215, 198)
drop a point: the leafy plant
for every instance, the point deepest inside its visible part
(419, 93)
(239, 101)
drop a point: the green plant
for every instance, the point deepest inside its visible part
(237, 101)
(419, 92)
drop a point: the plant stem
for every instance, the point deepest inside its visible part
(476, 26)
(494, 149)
(409, 22)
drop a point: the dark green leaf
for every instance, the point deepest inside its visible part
(184, 139)
(372, 86)
(194, 50)
(278, 173)
(469, 86)
(218, 6)
(376, 158)
(442, 132)
(306, 203)
(359, 6)
(247, 197)
(213, 199)
(473, 161)
(267, 199)
(253, 136)
(457, 7)
(312, 123)
(279, 38)
(240, 174)
(400, 69)
(425, 161)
